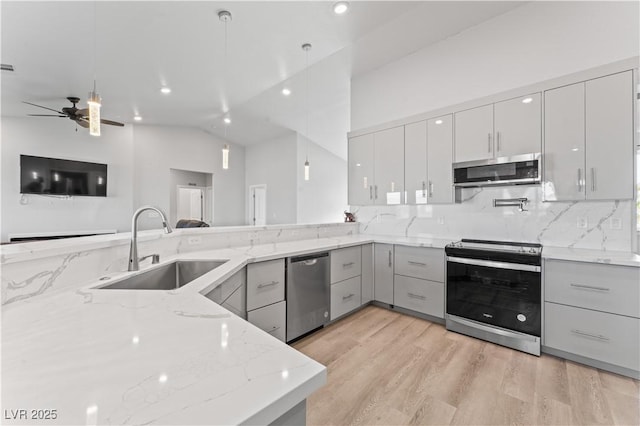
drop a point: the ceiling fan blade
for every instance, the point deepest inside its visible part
(46, 115)
(82, 112)
(40, 106)
(84, 123)
(111, 123)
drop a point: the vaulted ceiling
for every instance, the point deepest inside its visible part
(133, 49)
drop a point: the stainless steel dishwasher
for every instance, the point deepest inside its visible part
(308, 293)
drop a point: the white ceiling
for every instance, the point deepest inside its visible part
(141, 46)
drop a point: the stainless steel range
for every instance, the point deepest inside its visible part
(494, 292)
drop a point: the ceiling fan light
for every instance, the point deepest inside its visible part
(94, 103)
(225, 157)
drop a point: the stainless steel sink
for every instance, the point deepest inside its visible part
(167, 277)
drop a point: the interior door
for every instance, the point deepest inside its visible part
(190, 203)
(258, 205)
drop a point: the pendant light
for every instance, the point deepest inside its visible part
(225, 16)
(94, 100)
(306, 47)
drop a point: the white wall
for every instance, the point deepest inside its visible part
(55, 137)
(274, 163)
(323, 198)
(532, 43)
(158, 149)
(139, 159)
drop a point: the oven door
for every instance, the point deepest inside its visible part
(506, 295)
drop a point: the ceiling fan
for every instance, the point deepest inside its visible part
(80, 116)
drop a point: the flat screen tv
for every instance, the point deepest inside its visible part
(54, 176)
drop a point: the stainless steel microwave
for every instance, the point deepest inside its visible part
(517, 170)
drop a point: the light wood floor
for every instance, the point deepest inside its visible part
(387, 368)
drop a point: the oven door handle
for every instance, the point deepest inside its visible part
(494, 264)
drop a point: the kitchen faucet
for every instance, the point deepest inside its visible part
(134, 262)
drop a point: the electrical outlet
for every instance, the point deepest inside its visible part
(582, 223)
(153, 214)
(194, 240)
(615, 223)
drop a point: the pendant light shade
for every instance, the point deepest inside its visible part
(225, 157)
(94, 103)
(307, 47)
(306, 170)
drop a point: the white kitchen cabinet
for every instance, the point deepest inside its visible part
(419, 262)
(345, 297)
(439, 160)
(609, 137)
(346, 263)
(271, 318)
(588, 148)
(415, 162)
(265, 283)
(504, 129)
(232, 293)
(361, 162)
(376, 168)
(564, 146)
(389, 166)
(474, 134)
(383, 273)
(367, 273)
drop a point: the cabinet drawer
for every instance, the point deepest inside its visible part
(345, 263)
(608, 288)
(345, 297)
(419, 295)
(272, 319)
(232, 293)
(420, 262)
(265, 283)
(606, 337)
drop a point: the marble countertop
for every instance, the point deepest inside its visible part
(621, 258)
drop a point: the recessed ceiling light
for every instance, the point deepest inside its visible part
(527, 100)
(165, 90)
(286, 91)
(340, 7)
(438, 121)
(137, 118)
(227, 120)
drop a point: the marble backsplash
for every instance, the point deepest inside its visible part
(600, 225)
(33, 269)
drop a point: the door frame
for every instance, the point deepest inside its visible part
(251, 205)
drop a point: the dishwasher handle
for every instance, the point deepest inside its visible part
(309, 259)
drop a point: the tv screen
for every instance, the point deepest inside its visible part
(53, 176)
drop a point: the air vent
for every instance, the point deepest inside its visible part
(6, 67)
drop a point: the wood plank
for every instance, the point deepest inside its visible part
(588, 403)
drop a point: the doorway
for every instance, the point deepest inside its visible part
(191, 196)
(190, 203)
(258, 205)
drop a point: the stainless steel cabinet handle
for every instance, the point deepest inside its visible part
(371, 192)
(346, 265)
(424, 189)
(489, 142)
(579, 180)
(390, 264)
(498, 140)
(416, 296)
(411, 262)
(263, 285)
(594, 336)
(376, 192)
(430, 189)
(589, 287)
(593, 179)
(348, 296)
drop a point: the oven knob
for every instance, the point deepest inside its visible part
(521, 318)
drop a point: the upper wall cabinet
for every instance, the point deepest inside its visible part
(376, 168)
(588, 149)
(503, 129)
(428, 155)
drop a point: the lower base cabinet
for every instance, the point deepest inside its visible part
(232, 294)
(610, 338)
(419, 295)
(271, 318)
(345, 297)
